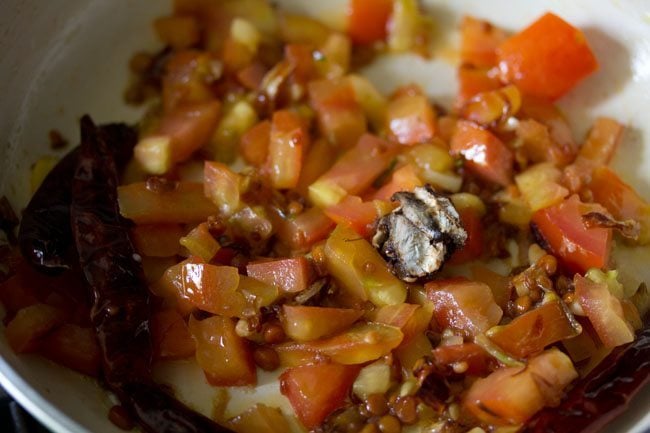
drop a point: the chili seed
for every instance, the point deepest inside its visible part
(389, 424)
(273, 333)
(406, 409)
(266, 358)
(376, 404)
(119, 416)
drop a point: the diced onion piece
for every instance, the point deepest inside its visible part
(372, 379)
(154, 154)
(540, 187)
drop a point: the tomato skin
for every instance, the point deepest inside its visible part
(170, 336)
(367, 20)
(185, 204)
(473, 249)
(604, 138)
(254, 144)
(577, 247)
(411, 319)
(290, 275)
(604, 311)
(463, 304)
(510, 396)
(534, 330)
(479, 42)
(355, 170)
(354, 213)
(477, 359)
(404, 178)
(340, 117)
(411, 119)
(620, 199)
(317, 390)
(304, 323)
(546, 59)
(362, 343)
(224, 356)
(30, 324)
(74, 347)
(484, 153)
(287, 143)
(303, 231)
(473, 80)
(189, 127)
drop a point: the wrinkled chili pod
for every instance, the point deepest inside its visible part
(45, 236)
(603, 394)
(121, 304)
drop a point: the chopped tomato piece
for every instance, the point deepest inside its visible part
(301, 59)
(546, 59)
(157, 240)
(208, 287)
(359, 269)
(320, 158)
(187, 78)
(224, 356)
(472, 81)
(620, 199)
(340, 117)
(411, 319)
(604, 311)
(470, 358)
(74, 347)
(317, 390)
(184, 204)
(479, 42)
(170, 336)
(484, 153)
(473, 248)
(579, 248)
(534, 330)
(31, 324)
(303, 323)
(252, 75)
(189, 127)
(221, 186)
(254, 144)
(463, 304)
(303, 231)
(509, 396)
(603, 140)
(353, 172)
(290, 275)
(404, 178)
(501, 289)
(354, 213)
(411, 119)
(358, 345)
(564, 145)
(287, 143)
(367, 20)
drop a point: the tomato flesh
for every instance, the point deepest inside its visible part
(463, 304)
(546, 59)
(290, 275)
(578, 248)
(316, 390)
(304, 323)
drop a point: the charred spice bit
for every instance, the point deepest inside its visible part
(160, 185)
(418, 236)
